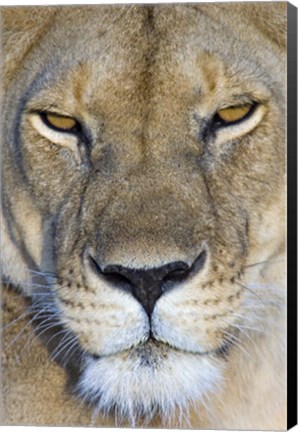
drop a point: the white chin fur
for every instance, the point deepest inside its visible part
(137, 390)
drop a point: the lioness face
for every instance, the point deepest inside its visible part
(145, 151)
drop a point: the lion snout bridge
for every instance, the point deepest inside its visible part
(147, 286)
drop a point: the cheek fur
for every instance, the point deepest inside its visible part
(195, 319)
(104, 327)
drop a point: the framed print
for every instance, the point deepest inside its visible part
(144, 207)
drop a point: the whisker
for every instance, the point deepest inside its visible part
(35, 311)
(38, 334)
(45, 323)
(43, 295)
(24, 315)
(62, 345)
(39, 273)
(237, 342)
(38, 285)
(264, 262)
(247, 336)
(51, 274)
(255, 329)
(20, 332)
(260, 298)
(240, 316)
(63, 331)
(75, 345)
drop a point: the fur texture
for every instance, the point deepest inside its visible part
(149, 179)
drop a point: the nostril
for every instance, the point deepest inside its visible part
(110, 274)
(117, 279)
(178, 274)
(179, 271)
(114, 275)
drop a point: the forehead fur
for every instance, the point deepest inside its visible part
(24, 26)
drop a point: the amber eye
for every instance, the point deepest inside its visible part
(59, 122)
(233, 114)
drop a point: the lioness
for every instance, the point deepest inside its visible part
(143, 208)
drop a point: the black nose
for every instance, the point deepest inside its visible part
(148, 285)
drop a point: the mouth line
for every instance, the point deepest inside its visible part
(150, 342)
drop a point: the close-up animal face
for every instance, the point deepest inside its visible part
(145, 146)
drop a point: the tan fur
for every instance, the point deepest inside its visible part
(153, 189)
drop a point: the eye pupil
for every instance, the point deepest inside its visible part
(60, 122)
